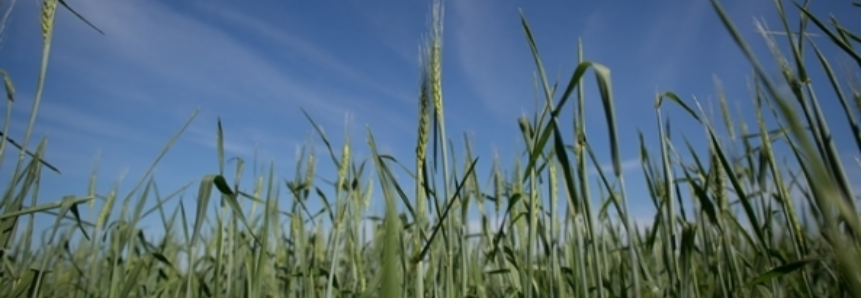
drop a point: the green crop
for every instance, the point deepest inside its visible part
(755, 227)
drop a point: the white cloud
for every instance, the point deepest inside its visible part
(155, 50)
(243, 140)
(71, 119)
(155, 62)
(320, 56)
(625, 166)
(488, 57)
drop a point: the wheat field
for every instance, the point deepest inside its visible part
(757, 227)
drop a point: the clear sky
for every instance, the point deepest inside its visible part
(121, 96)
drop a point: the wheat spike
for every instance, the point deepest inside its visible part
(49, 9)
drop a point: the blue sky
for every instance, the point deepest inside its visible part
(122, 95)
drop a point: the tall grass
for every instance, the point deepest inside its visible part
(794, 233)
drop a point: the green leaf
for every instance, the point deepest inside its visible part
(10, 88)
(222, 186)
(779, 271)
(204, 192)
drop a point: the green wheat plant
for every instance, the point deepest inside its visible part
(734, 217)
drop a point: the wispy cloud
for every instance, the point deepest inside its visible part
(490, 59)
(167, 63)
(625, 166)
(155, 50)
(244, 141)
(65, 119)
(320, 57)
(197, 59)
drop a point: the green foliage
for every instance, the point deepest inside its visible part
(796, 234)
